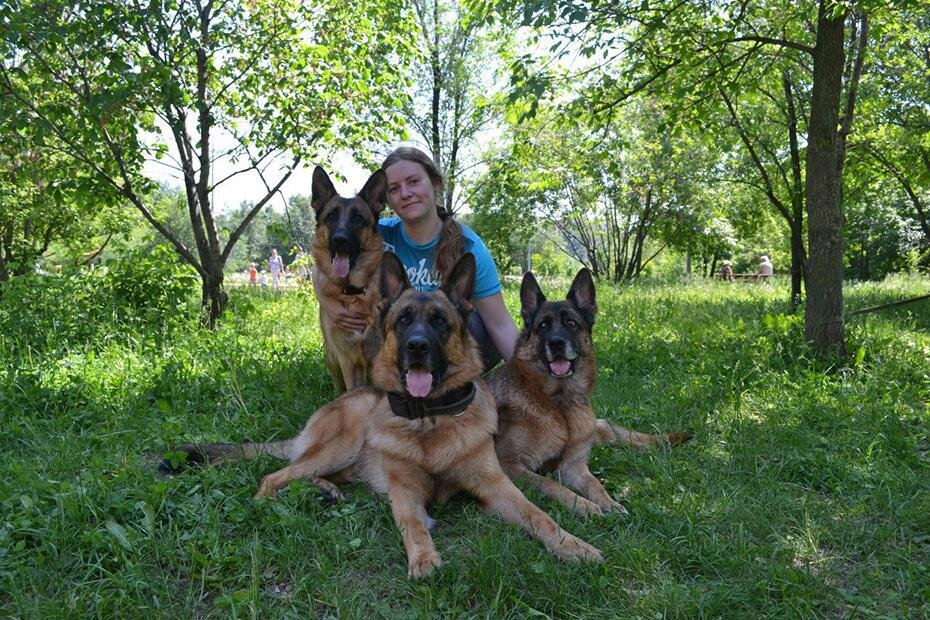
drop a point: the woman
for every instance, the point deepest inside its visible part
(429, 241)
(275, 265)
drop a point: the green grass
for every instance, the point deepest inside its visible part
(803, 494)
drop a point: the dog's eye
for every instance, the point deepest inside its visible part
(570, 322)
(331, 217)
(357, 218)
(439, 320)
(545, 324)
(404, 319)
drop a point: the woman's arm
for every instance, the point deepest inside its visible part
(498, 323)
(343, 317)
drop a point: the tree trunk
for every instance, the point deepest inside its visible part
(798, 259)
(796, 221)
(823, 319)
(213, 298)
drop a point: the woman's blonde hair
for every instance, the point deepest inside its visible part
(451, 244)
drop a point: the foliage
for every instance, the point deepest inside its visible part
(880, 233)
(454, 96)
(112, 84)
(896, 116)
(505, 213)
(144, 282)
(603, 194)
(40, 207)
(803, 493)
(140, 294)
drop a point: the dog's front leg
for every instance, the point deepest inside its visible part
(553, 489)
(500, 496)
(408, 505)
(353, 371)
(577, 475)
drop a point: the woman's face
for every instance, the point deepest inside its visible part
(410, 191)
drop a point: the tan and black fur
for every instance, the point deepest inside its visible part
(427, 351)
(546, 418)
(347, 231)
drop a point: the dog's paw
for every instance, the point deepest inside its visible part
(573, 549)
(423, 564)
(586, 508)
(329, 492)
(613, 506)
(331, 496)
(266, 490)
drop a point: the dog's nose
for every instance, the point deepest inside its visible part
(557, 345)
(417, 346)
(340, 241)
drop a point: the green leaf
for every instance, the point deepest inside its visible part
(119, 533)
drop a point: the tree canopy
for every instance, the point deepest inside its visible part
(629, 136)
(260, 84)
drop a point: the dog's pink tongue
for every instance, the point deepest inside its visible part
(340, 266)
(560, 367)
(419, 383)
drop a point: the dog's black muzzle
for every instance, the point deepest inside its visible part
(420, 347)
(343, 243)
(559, 354)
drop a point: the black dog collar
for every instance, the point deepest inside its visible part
(452, 403)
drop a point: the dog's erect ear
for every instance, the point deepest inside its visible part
(531, 298)
(374, 192)
(459, 287)
(581, 294)
(393, 277)
(322, 190)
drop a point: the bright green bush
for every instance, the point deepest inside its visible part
(141, 292)
(153, 284)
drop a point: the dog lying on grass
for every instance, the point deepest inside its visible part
(546, 421)
(422, 433)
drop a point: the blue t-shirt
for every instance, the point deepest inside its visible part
(418, 259)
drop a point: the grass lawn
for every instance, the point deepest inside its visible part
(803, 494)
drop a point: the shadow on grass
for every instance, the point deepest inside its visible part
(803, 493)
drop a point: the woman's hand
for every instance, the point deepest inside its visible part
(344, 318)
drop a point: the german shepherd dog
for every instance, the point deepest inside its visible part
(347, 250)
(422, 433)
(543, 395)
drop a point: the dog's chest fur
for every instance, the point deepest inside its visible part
(549, 415)
(363, 303)
(441, 446)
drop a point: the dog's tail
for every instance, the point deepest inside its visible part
(608, 432)
(214, 453)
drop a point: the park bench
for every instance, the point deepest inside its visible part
(742, 277)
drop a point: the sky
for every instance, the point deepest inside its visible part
(248, 187)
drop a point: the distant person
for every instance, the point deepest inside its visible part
(263, 278)
(253, 275)
(765, 268)
(726, 271)
(275, 266)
